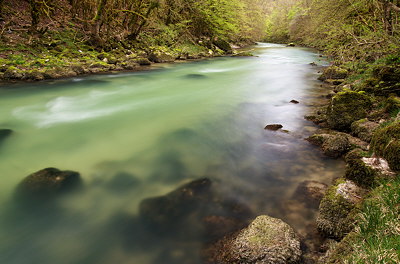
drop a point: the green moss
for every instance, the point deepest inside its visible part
(347, 107)
(386, 143)
(392, 105)
(358, 171)
(336, 214)
(333, 73)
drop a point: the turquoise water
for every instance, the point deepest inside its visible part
(162, 128)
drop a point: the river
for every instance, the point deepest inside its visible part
(143, 134)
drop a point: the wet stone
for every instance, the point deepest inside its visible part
(273, 127)
(310, 193)
(47, 183)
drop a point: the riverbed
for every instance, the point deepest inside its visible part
(138, 135)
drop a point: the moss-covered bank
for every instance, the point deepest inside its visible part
(358, 216)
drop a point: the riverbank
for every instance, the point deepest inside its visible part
(57, 57)
(361, 123)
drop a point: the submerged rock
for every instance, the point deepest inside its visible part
(310, 193)
(273, 127)
(47, 183)
(4, 133)
(266, 240)
(194, 209)
(164, 212)
(122, 182)
(337, 209)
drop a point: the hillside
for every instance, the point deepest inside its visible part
(51, 39)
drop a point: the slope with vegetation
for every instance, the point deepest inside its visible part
(362, 37)
(41, 39)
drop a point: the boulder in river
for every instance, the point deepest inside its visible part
(4, 133)
(266, 240)
(47, 183)
(294, 101)
(164, 212)
(273, 127)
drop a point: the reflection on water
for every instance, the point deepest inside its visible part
(142, 135)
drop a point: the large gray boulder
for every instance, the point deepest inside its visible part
(266, 240)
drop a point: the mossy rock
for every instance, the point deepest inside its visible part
(46, 184)
(266, 240)
(160, 57)
(243, 54)
(223, 45)
(386, 144)
(364, 129)
(339, 251)
(337, 209)
(392, 104)
(347, 107)
(143, 61)
(332, 144)
(333, 73)
(357, 171)
(13, 73)
(34, 75)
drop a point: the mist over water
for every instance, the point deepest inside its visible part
(138, 135)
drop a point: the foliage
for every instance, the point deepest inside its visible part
(349, 30)
(377, 236)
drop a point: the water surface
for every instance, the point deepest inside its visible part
(157, 130)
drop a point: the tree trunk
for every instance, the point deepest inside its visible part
(96, 23)
(35, 14)
(133, 36)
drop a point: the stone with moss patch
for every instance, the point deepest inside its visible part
(337, 209)
(266, 240)
(392, 105)
(364, 129)
(358, 171)
(332, 144)
(47, 183)
(347, 107)
(386, 143)
(13, 73)
(333, 73)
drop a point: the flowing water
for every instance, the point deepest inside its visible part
(143, 134)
